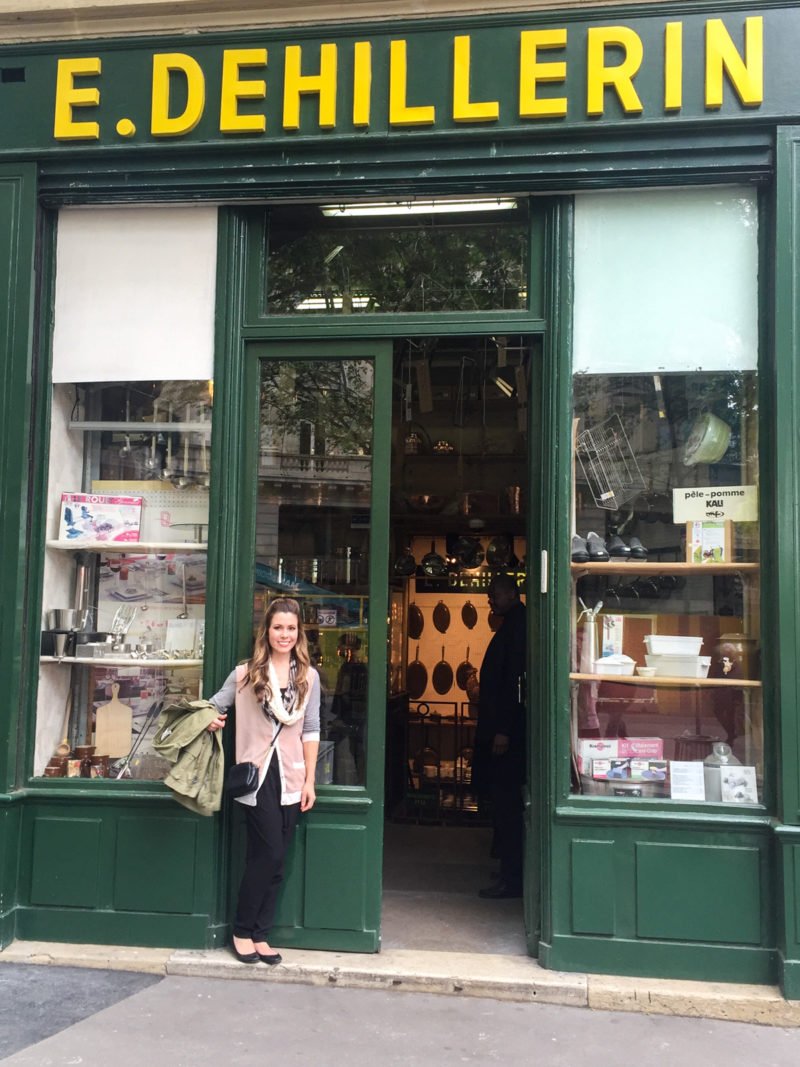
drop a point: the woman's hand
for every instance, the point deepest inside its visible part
(218, 723)
(308, 796)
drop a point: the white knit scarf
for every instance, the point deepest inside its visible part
(276, 707)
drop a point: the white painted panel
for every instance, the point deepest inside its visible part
(135, 291)
(666, 281)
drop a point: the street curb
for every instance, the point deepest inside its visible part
(510, 978)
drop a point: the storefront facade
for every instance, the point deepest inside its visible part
(570, 307)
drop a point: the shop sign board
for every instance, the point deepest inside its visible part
(540, 74)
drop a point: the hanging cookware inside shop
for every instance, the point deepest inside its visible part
(708, 440)
(468, 551)
(500, 552)
(463, 671)
(469, 615)
(433, 565)
(416, 678)
(405, 565)
(442, 676)
(441, 617)
(416, 622)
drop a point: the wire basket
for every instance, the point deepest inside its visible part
(609, 465)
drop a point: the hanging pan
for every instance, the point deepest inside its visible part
(469, 615)
(405, 565)
(441, 617)
(468, 551)
(463, 671)
(416, 622)
(442, 676)
(500, 552)
(416, 678)
(433, 565)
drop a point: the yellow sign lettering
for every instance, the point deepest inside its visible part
(362, 82)
(165, 64)
(673, 66)
(233, 89)
(464, 109)
(532, 71)
(295, 84)
(618, 77)
(400, 114)
(69, 97)
(745, 75)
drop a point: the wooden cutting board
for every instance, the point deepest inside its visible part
(113, 727)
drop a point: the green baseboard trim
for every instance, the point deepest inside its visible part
(147, 930)
(790, 978)
(218, 935)
(8, 928)
(661, 959)
(326, 940)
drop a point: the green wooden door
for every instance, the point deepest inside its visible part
(318, 423)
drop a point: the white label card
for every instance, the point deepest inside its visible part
(739, 503)
(686, 780)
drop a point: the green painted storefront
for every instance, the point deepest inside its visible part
(640, 887)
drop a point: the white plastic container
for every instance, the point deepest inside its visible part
(678, 666)
(616, 664)
(673, 645)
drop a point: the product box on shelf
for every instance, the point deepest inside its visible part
(99, 517)
(593, 748)
(635, 770)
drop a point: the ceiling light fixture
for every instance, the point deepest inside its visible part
(417, 207)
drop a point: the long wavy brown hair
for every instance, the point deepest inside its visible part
(258, 666)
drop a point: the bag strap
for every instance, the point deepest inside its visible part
(271, 745)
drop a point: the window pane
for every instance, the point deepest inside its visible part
(319, 265)
(312, 534)
(123, 612)
(666, 681)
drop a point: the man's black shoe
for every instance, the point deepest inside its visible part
(500, 891)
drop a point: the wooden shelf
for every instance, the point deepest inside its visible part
(636, 567)
(124, 661)
(130, 548)
(669, 683)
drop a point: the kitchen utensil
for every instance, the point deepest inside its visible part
(184, 614)
(121, 623)
(469, 615)
(433, 565)
(442, 676)
(608, 464)
(64, 619)
(60, 644)
(416, 678)
(416, 622)
(113, 726)
(468, 551)
(151, 463)
(405, 565)
(708, 440)
(441, 617)
(500, 552)
(463, 671)
(63, 749)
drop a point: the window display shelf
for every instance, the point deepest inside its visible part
(124, 661)
(121, 426)
(127, 548)
(625, 566)
(666, 682)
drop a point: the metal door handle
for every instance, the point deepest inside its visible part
(543, 572)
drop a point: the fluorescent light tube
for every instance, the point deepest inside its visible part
(417, 207)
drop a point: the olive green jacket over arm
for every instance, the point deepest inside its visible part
(198, 763)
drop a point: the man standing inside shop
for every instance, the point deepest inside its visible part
(500, 755)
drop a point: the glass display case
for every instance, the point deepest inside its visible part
(665, 676)
(123, 612)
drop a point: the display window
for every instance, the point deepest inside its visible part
(123, 612)
(665, 673)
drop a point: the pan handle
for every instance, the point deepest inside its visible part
(423, 704)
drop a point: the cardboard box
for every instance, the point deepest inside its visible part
(98, 517)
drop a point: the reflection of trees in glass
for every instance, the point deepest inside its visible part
(332, 397)
(424, 268)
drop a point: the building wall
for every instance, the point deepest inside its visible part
(31, 20)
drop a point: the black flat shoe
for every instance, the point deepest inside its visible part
(580, 553)
(596, 547)
(272, 958)
(245, 957)
(618, 548)
(501, 891)
(638, 551)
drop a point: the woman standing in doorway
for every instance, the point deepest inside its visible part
(275, 697)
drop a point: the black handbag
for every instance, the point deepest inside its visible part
(242, 778)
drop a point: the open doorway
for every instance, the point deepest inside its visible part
(461, 460)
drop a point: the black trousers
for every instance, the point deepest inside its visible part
(270, 826)
(505, 792)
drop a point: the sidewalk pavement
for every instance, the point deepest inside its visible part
(508, 978)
